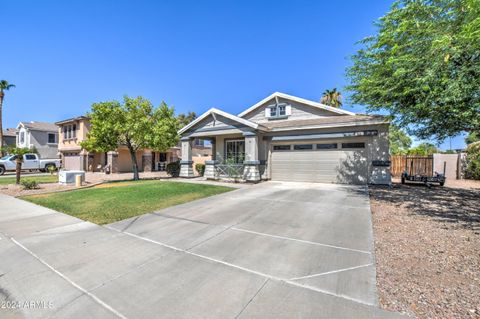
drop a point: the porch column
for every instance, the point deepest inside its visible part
(83, 160)
(251, 172)
(186, 169)
(147, 160)
(112, 158)
(210, 171)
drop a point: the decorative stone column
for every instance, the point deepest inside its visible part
(112, 159)
(186, 169)
(251, 172)
(83, 160)
(210, 171)
(147, 160)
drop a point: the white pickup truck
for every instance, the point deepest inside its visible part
(30, 162)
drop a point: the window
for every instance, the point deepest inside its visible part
(51, 138)
(235, 151)
(30, 157)
(278, 111)
(303, 147)
(22, 137)
(326, 146)
(69, 131)
(281, 147)
(162, 157)
(353, 145)
(273, 112)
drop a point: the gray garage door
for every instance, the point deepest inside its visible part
(71, 161)
(320, 162)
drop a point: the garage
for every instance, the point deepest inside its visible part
(72, 161)
(320, 161)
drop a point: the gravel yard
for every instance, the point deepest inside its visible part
(427, 246)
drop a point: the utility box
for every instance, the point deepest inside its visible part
(68, 177)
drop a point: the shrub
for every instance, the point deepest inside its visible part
(473, 161)
(173, 169)
(200, 168)
(51, 169)
(29, 184)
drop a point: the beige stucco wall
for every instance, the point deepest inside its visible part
(73, 144)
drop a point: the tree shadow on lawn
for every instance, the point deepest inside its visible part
(451, 205)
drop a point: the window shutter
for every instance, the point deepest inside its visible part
(267, 112)
(288, 110)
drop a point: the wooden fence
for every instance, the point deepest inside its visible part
(422, 165)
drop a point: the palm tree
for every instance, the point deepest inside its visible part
(18, 152)
(4, 86)
(332, 98)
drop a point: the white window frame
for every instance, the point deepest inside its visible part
(54, 138)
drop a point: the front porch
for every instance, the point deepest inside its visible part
(234, 157)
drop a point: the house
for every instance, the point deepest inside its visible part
(73, 131)
(39, 136)
(287, 138)
(9, 137)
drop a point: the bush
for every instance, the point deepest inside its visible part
(473, 161)
(200, 168)
(29, 184)
(173, 169)
(51, 169)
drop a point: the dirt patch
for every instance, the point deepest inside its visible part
(427, 245)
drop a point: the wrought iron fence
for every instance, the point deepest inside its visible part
(229, 170)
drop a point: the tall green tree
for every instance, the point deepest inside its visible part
(400, 142)
(185, 119)
(332, 98)
(423, 149)
(472, 138)
(18, 152)
(4, 86)
(135, 124)
(423, 66)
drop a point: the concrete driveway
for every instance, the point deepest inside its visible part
(273, 250)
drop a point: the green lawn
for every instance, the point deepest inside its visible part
(112, 202)
(39, 179)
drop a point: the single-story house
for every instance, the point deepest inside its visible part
(287, 138)
(39, 136)
(73, 131)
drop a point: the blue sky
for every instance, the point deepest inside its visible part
(65, 55)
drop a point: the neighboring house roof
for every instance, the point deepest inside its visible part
(39, 126)
(330, 121)
(10, 132)
(295, 99)
(213, 112)
(78, 118)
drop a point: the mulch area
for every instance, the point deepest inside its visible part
(427, 246)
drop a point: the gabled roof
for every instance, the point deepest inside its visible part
(213, 111)
(78, 118)
(295, 99)
(329, 121)
(39, 126)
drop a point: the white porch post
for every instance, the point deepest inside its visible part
(186, 169)
(251, 172)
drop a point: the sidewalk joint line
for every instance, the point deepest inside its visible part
(331, 272)
(95, 298)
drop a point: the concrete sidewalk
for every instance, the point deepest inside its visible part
(210, 258)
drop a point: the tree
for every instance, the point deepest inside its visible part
(18, 152)
(423, 149)
(472, 138)
(332, 98)
(423, 66)
(135, 124)
(185, 119)
(4, 86)
(400, 142)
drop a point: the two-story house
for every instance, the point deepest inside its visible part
(9, 137)
(41, 136)
(287, 138)
(73, 131)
